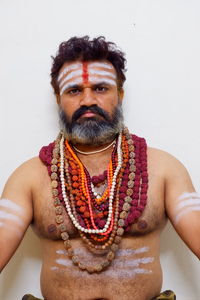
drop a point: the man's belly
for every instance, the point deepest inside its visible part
(135, 272)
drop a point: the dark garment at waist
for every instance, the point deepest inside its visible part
(167, 295)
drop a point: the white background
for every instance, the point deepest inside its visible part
(162, 94)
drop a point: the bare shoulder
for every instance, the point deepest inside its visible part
(27, 172)
(165, 162)
(32, 165)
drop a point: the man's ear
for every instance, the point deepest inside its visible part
(121, 94)
(58, 98)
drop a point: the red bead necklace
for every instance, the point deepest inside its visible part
(130, 194)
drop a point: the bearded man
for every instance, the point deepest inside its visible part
(97, 197)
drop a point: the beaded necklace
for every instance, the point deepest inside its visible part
(101, 221)
(94, 152)
(85, 188)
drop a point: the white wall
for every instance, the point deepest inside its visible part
(161, 39)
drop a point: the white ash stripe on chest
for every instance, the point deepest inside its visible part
(121, 267)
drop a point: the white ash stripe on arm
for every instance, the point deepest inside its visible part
(9, 227)
(187, 195)
(6, 203)
(185, 212)
(11, 217)
(187, 203)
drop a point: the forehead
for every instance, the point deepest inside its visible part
(84, 66)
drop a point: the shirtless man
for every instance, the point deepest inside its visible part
(99, 230)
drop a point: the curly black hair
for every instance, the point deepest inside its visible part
(84, 49)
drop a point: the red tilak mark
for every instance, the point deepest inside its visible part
(85, 74)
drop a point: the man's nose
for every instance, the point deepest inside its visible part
(88, 97)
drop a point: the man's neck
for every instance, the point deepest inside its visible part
(93, 149)
(97, 162)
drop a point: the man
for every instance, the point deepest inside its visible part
(97, 197)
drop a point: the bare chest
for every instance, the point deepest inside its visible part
(153, 217)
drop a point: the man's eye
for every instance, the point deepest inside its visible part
(74, 91)
(101, 89)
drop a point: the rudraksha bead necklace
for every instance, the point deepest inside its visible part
(101, 221)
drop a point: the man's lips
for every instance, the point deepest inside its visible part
(88, 114)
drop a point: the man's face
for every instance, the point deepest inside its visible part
(89, 98)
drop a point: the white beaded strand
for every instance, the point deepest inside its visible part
(94, 152)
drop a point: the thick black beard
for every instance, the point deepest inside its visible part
(94, 131)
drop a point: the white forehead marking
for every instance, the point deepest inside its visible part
(77, 70)
(69, 68)
(102, 73)
(186, 211)
(102, 79)
(71, 84)
(11, 217)
(11, 205)
(91, 73)
(70, 76)
(101, 65)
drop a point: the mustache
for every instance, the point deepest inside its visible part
(93, 108)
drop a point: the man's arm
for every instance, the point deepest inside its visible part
(182, 204)
(16, 212)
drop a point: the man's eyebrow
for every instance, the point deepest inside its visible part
(73, 86)
(101, 83)
(68, 86)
